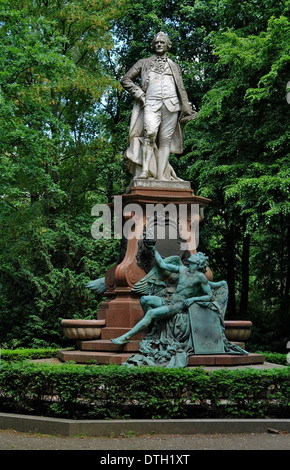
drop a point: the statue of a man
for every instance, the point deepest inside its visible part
(192, 286)
(160, 111)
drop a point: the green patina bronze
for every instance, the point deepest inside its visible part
(206, 330)
(184, 310)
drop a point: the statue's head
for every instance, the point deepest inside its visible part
(163, 37)
(200, 260)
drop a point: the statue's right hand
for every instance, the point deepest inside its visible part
(188, 302)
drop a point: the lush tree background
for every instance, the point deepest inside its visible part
(57, 161)
(63, 127)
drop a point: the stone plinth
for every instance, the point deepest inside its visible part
(225, 359)
(122, 308)
(111, 356)
(84, 357)
(158, 184)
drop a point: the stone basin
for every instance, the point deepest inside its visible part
(79, 329)
(238, 330)
(82, 329)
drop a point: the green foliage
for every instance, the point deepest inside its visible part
(51, 161)
(275, 358)
(235, 62)
(63, 125)
(98, 392)
(49, 283)
(24, 354)
(239, 157)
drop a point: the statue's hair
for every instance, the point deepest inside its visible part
(168, 42)
(201, 259)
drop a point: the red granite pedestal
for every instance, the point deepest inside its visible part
(110, 357)
(121, 310)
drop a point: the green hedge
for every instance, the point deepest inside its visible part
(107, 392)
(275, 358)
(22, 354)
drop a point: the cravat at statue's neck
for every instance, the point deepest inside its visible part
(162, 57)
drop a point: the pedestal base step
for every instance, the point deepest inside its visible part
(102, 345)
(84, 357)
(114, 332)
(109, 357)
(226, 359)
(107, 345)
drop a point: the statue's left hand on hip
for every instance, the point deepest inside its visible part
(188, 117)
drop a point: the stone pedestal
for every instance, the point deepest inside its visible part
(121, 310)
(103, 351)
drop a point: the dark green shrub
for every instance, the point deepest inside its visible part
(107, 392)
(21, 354)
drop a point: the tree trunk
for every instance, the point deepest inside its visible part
(245, 277)
(285, 300)
(230, 265)
(34, 198)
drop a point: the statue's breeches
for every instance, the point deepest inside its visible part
(160, 120)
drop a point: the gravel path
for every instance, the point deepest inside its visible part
(12, 440)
